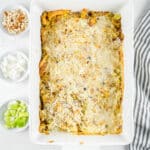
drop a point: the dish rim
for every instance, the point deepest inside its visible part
(36, 6)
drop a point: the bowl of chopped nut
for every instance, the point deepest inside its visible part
(14, 20)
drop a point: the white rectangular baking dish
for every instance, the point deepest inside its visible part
(125, 8)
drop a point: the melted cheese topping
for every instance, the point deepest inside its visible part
(81, 74)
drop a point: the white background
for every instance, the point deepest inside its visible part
(21, 141)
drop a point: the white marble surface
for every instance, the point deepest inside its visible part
(21, 141)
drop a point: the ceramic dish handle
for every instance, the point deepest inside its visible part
(80, 147)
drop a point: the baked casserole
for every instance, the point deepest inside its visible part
(81, 72)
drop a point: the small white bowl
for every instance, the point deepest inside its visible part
(12, 7)
(24, 76)
(3, 108)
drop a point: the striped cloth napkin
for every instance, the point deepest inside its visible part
(141, 139)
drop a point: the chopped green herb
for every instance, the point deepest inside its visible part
(16, 115)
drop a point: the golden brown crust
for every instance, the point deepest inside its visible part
(47, 16)
(51, 141)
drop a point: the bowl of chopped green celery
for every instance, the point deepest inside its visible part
(14, 115)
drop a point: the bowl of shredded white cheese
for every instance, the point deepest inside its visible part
(14, 66)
